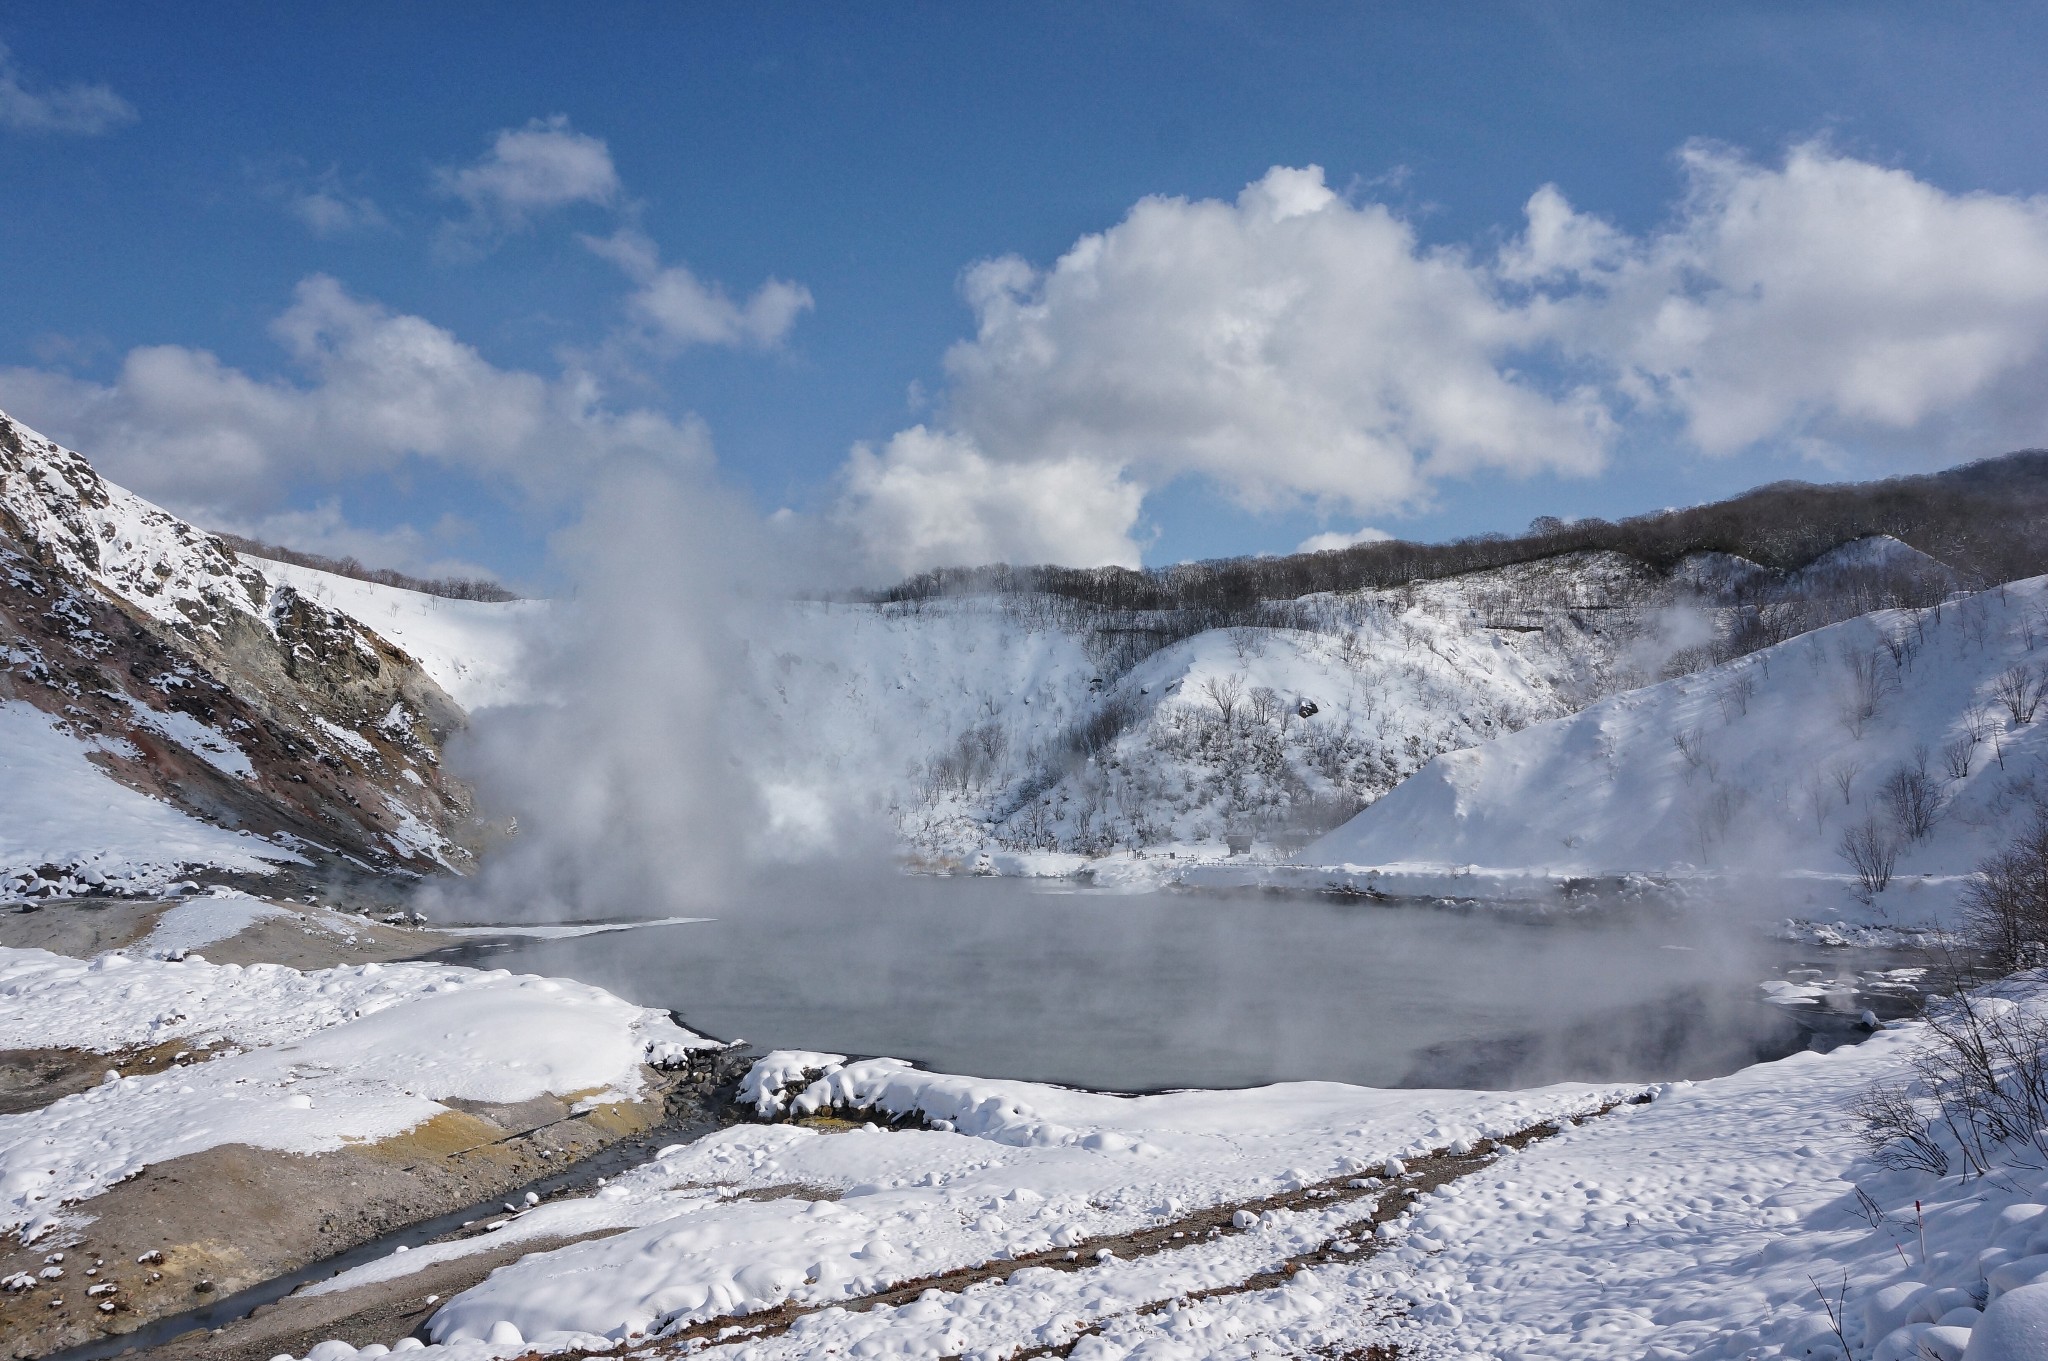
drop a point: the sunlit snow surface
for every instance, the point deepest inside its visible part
(1738, 773)
(329, 1057)
(1704, 1224)
(58, 808)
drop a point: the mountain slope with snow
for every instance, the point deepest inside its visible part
(241, 703)
(471, 648)
(1914, 727)
(1005, 725)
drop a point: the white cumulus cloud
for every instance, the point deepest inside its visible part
(1295, 348)
(378, 387)
(83, 110)
(1825, 298)
(932, 499)
(1334, 540)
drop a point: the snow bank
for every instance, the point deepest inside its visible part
(329, 1057)
(470, 648)
(1753, 768)
(59, 809)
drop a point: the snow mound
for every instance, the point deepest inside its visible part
(199, 922)
(330, 1057)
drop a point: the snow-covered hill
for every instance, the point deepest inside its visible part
(1013, 732)
(1911, 730)
(471, 648)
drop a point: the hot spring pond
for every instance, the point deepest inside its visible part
(1144, 992)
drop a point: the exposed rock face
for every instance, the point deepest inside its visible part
(251, 707)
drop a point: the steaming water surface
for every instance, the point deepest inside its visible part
(1140, 992)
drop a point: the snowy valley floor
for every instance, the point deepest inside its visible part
(869, 1208)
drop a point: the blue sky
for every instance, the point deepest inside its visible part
(261, 201)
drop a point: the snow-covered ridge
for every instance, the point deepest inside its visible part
(470, 648)
(1755, 767)
(172, 572)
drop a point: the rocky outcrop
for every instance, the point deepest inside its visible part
(245, 704)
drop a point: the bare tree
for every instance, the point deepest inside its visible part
(1265, 705)
(1818, 800)
(1844, 775)
(1870, 681)
(1224, 692)
(1914, 800)
(1734, 696)
(2006, 903)
(1956, 755)
(1871, 848)
(1691, 744)
(2019, 688)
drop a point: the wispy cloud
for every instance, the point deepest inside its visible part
(81, 110)
(673, 308)
(543, 166)
(327, 203)
(330, 209)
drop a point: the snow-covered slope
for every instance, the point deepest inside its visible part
(87, 526)
(241, 702)
(60, 812)
(471, 648)
(1758, 766)
(1002, 725)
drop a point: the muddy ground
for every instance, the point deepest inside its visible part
(314, 938)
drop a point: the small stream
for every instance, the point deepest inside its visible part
(687, 1121)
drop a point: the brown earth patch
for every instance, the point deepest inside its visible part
(311, 938)
(78, 927)
(32, 1078)
(222, 1220)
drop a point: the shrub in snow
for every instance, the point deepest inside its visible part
(1980, 1089)
(2006, 904)
(1872, 848)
